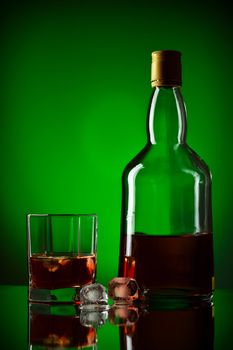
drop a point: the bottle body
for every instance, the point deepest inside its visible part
(166, 221)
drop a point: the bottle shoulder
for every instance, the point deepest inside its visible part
(170, 161)
(197, 161)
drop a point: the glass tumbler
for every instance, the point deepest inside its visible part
(61, 255)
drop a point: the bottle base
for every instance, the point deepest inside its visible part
(176, 296)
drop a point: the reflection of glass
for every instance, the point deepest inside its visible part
(51, 327)
(171, 326)
(61, 255)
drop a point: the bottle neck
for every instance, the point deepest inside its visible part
(167, 117)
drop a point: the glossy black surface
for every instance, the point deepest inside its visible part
(154, 326)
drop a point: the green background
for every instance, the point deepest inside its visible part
(75, 89)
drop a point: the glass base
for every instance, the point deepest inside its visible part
(50, 296)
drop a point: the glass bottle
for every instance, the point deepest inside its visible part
(166, 221)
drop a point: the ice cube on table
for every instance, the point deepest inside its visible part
(93, 296)
(93, 318)
(123, 289)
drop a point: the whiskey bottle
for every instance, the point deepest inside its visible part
(166, 221)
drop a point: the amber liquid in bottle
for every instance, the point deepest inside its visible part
(161, 264)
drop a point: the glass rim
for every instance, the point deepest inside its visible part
(65, 215)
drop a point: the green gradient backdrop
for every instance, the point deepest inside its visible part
(75, 88)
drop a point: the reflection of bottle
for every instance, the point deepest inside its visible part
(166, 228)
(58, 327)
(165, 327)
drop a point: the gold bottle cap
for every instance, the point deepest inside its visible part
(166, 68)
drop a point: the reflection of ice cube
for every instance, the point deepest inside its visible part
(123, 315)
(93, 296)
(123, 289)
(95, 319)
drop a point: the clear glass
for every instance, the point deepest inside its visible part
(166, 222)
(61, 255)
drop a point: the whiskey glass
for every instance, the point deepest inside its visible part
(61, 255)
